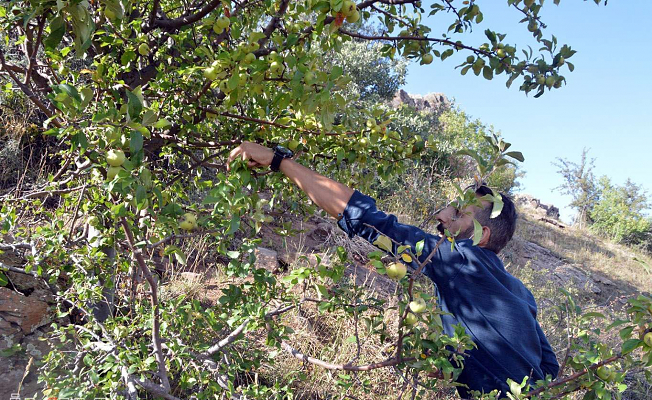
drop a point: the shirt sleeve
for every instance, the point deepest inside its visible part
(362, 218)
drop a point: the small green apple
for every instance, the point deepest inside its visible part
(111, 172)
(427, 58)
(647, 339)
(396, 270)
(605, 373)
(115, 158)
(223, 22)
(348, 7)
(210, 73)
(354, 17)
(186, 225)
(143, 49)
(500, 53)
(532, 26)
(190, 217)
(418, 305)
(249, 58)
(217, 28)
(410, 319)
(550, 81)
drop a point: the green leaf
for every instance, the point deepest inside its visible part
(70, 91)
(488, 73)
(477, 232)
(57, 30)
(384, 243)
(162, 123)
(630, 345)
(141, 197)
(419, 247)
(516, 155)
(135, 142)
(134, 104)
(497, 206)
(3, 279)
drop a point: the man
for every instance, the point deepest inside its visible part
(496, 309)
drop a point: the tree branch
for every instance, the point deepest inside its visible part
(156, 324)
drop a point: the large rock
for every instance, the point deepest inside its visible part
(28, 312)
(431, 102)
(267, 259)
(536, 206)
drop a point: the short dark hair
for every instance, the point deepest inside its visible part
(503, 226)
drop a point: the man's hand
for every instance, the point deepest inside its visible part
(328, 194)
(255, 155)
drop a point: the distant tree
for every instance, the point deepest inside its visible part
(619, 212)
(580, 184)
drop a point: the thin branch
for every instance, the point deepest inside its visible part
(574, 376)
(45, 193)
(156, 323)
(230, 338)
(344, 367)
(28, 92)
(9, 268)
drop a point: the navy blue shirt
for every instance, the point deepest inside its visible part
(495, 309)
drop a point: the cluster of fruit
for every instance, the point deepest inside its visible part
(115, 159)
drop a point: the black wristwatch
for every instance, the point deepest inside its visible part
(280, 153)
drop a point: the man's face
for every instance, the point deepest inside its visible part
(456, 220)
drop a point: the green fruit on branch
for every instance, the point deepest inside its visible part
(210, 73)
(189, 222)
(217, 28)
(223, 22)
(396, 270)
(276, 67)
(143, 49)
(353, 18)
(500, 53)
(427, 58)
(550, 81)
(249, 58)
(647, 339)
(410, 319)
(532, 26)
(348, 8)
(605, 373)
(418, 305)
(111, 173)
(115, 158)
(541, 79)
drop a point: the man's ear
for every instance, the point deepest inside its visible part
(486, 234)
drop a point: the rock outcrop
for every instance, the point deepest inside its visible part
(536, 207)
(431, 102)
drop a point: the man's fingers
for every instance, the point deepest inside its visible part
(252, 164)
(232, 155)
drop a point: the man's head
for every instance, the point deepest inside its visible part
(496, 232)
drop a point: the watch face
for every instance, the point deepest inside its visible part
(286, 153)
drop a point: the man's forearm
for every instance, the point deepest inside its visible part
(328, 194)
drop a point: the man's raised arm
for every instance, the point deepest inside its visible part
(328, 194)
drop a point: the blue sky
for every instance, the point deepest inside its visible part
(605, 106)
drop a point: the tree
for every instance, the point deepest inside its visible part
(146, 99)
(619, 212)
(580, 184)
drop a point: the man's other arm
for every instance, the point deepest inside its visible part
(328, 194)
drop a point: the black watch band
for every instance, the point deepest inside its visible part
(280, 154)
